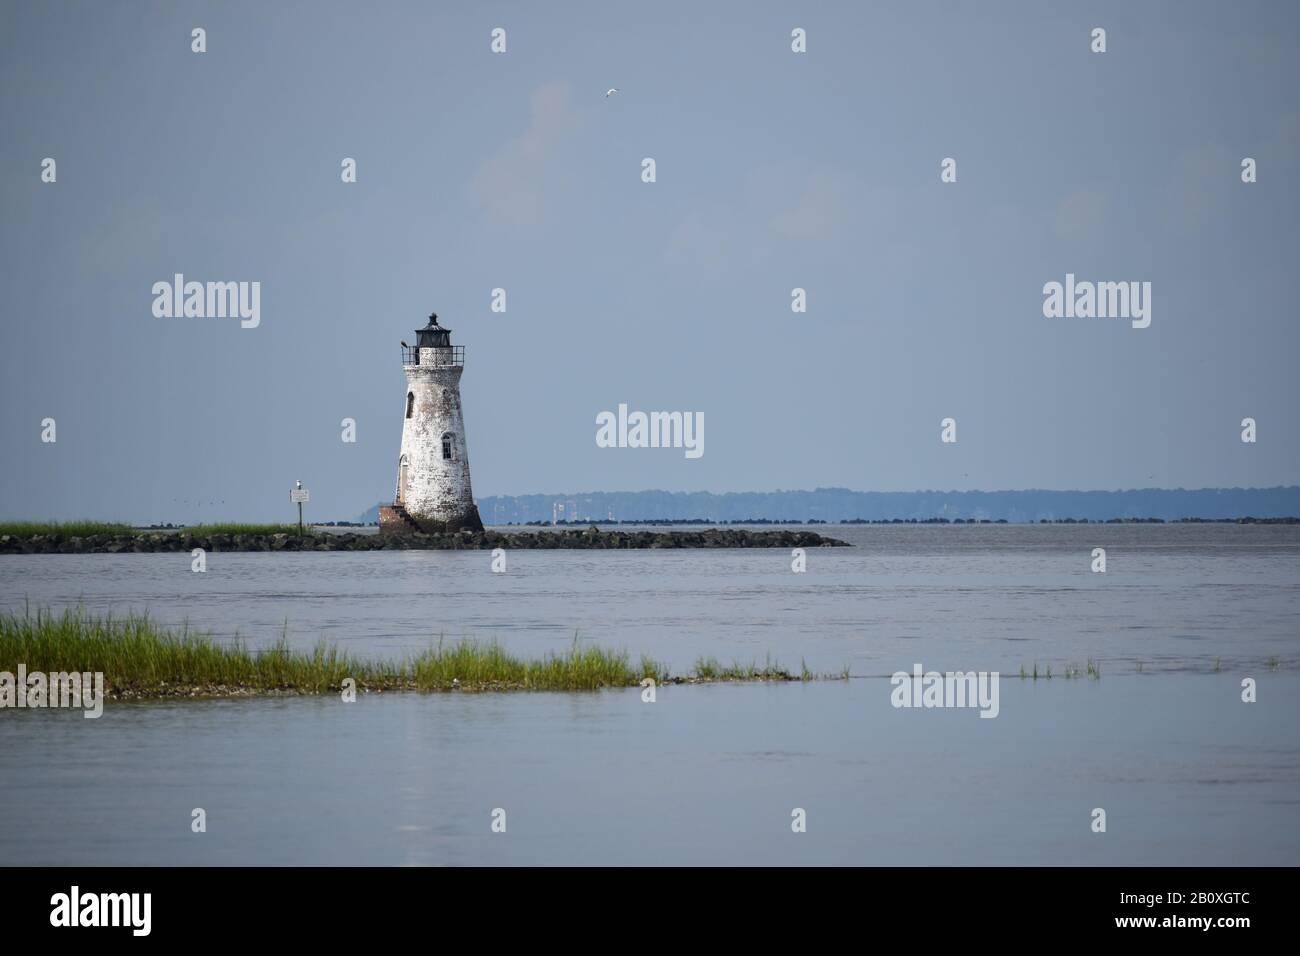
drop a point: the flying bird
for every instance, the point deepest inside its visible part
(610, 92)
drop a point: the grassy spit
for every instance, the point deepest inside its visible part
(139, 659)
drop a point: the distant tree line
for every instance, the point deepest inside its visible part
(840, 505)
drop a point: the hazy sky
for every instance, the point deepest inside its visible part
(775, 170)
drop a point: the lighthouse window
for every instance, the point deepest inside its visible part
(448, 445)
(410, 403)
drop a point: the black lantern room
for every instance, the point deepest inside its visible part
(433, 335)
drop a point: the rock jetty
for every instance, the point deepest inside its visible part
(592, 538)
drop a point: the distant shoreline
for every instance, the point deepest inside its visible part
(832, 505)
(336, 526)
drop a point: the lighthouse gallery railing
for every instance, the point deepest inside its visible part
(436, 357)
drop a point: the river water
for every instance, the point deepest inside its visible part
(1186, 772)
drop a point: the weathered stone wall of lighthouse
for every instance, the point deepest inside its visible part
(433, 470)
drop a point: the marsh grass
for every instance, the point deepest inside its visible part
(235, 527)
(489, 666)
(137, 656)
(708, 669)
(141, 659)
(84, 529)
(63, 529)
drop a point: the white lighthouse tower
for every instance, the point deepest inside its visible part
(433, 489)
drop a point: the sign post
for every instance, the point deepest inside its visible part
(299, 494)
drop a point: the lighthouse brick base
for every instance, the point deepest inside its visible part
(393, 519)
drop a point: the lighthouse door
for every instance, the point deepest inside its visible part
(401, 481)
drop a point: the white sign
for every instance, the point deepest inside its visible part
(299, 495)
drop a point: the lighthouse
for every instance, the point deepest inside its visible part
(433, 489)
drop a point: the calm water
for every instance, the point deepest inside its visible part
(1186, 772)
(1173, 597)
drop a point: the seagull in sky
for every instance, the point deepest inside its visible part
(610, 92)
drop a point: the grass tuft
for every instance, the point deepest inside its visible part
(1069, 671)
(708, 669)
